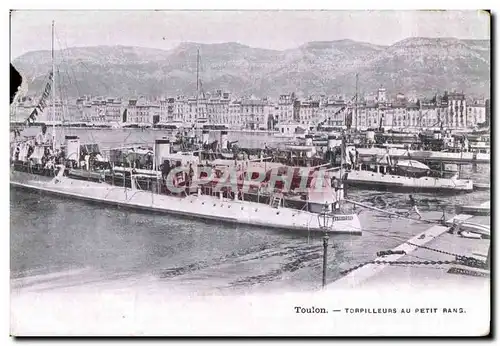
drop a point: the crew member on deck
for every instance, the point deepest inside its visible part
(335, 184)
(43, 137)
(190, 177)
(414, 208)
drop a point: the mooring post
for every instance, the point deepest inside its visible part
(325, 253)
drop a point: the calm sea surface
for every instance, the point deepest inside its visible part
(59, 242)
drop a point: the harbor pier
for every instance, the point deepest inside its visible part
(430, 258)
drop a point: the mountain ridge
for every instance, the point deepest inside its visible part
(417, 65)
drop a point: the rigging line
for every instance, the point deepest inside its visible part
(38, 96)
(69, 65)
(426, 247)
(69, 78)
(437, 222)
(107, 87)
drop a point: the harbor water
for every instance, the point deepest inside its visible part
(112, 138)
(58, 242)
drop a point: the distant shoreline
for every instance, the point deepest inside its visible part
(110, 127)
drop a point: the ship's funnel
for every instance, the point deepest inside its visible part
(162, 150)
(72, 148)
(223, 140)
(204, 136)
(370, 136)
(309, 143)
(331, 142)
(309, 140)
(320, 193)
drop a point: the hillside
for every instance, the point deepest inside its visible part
(420, 66)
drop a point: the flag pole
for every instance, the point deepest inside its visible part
(53, 94)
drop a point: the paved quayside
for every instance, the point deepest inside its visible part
(436, 238)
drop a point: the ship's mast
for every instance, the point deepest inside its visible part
(53, 93)
(356, 103)
(197, 82)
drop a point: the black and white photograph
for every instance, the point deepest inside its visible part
(250, 172)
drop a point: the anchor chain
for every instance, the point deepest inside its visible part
(461, 259)
(396, 263)
(435, 250)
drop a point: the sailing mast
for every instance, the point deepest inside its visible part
(53, 94)
(197, 83)
(356, 102)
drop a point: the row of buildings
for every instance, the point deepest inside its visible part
(450, 110)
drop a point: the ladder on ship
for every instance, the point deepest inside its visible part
(276, 201)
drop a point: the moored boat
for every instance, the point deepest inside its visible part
(197, 205)
(442, 156)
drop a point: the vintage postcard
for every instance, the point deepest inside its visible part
(250, 173)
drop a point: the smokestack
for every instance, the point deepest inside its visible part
(309, 143)
(204, 136)
(162, 149)
(331, 142)
(309, 140)
(223, 140)
(72, 148)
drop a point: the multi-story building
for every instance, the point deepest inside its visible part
(456, 115)
(334, 111)
(47, 115)
(397, 115)
(98, 107)
(476, 113)
(143, 112)
(153, 112)
(286, 108)
(191, 114)
(217, 107)
(272, 117)
(113, 110)
(254, 114)
(235, 117)
(180, 106)
(131, 116)
(448, 111)
(430, 114)
(167, 110)
(308, 112)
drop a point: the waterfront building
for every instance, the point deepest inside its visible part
(456, 115)
(308, 112)
(98, 114)
(290, 127)
(153, 112)
(476, 113)
(167, 110)
(235, 119)
(287, 108)
(143, 114)
(331, 111)
(113, 110)
(254, 114)
(181, 109)
(217, 107)
(131, 117)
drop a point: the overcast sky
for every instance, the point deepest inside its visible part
(31, 30)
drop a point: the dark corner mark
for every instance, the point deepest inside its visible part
(15, 82)
(15, 76)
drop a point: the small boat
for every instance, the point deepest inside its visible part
(439, 156)
(412, 166)
(391, 177)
